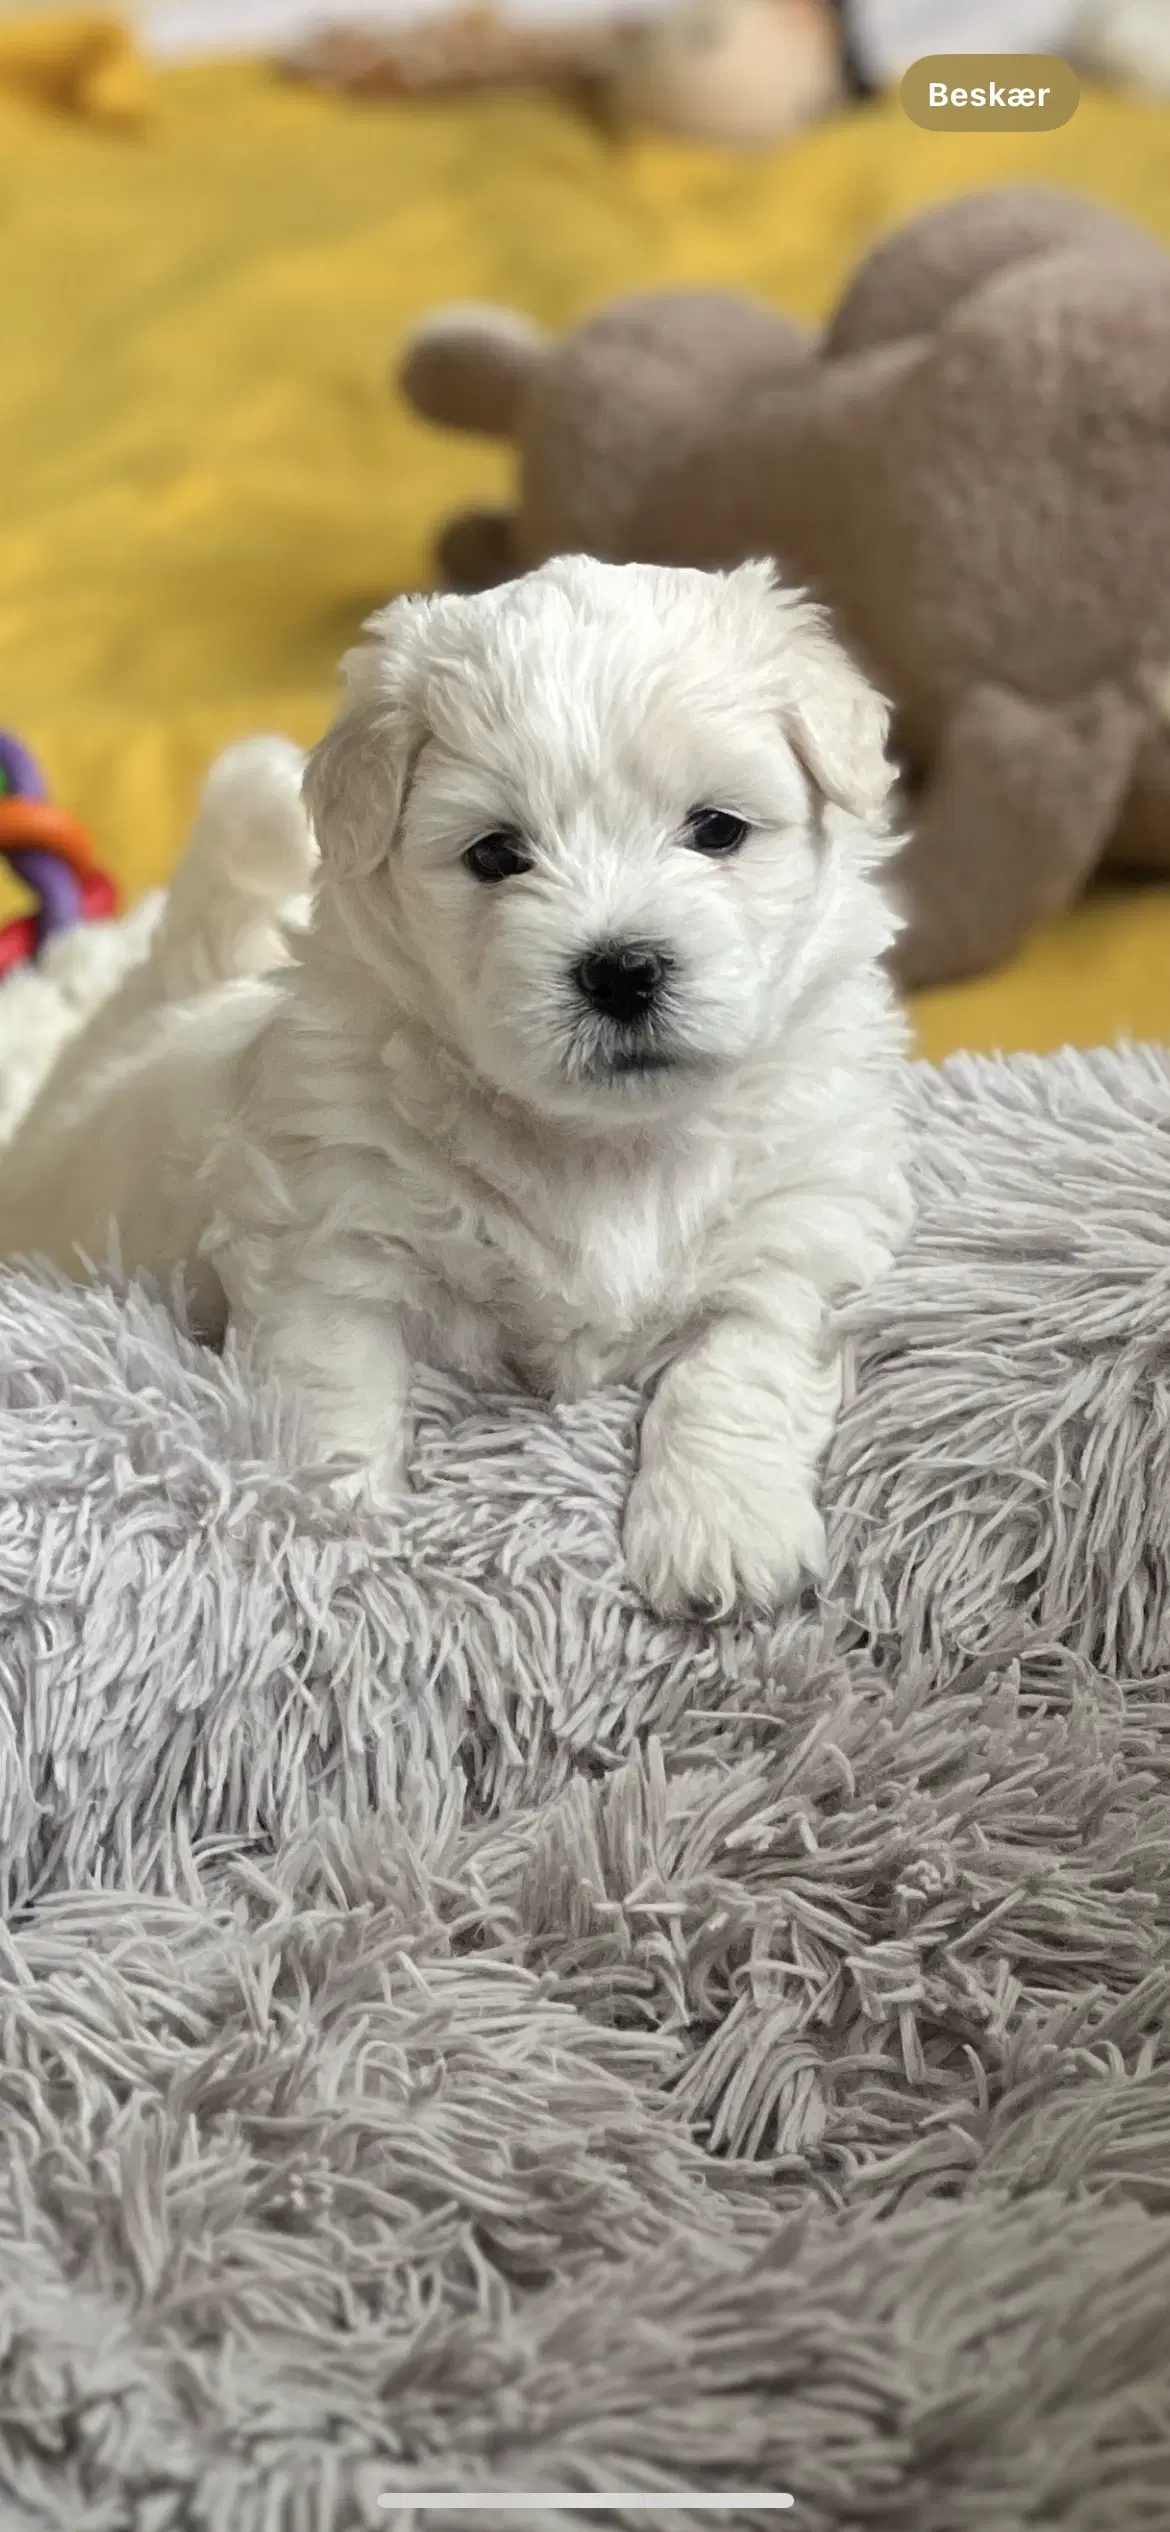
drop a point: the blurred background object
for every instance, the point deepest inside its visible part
(742, 74)
(189, 30)
(887, 35)
(1127, 41)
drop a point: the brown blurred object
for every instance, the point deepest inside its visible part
(470, 48)
(741, 74)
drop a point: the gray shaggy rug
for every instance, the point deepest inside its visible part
(459, 2034)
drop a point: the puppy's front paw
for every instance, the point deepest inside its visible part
(379, 1485)
(696, 1545)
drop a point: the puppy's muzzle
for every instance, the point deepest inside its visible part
(621, 980)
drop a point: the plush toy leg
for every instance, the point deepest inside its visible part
(1015, 814)
(477, 550)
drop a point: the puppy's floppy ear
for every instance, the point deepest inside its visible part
(357, 779)
(837, 722)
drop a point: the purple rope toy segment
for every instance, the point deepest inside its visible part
(22, 774)
(57, 889)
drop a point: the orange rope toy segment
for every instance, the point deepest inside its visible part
(39, 825)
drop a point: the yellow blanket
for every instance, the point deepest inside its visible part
(207, 482)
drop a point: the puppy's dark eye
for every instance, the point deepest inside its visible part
(716, 831)
(496, 856)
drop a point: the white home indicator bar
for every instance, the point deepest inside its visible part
(635, 2500)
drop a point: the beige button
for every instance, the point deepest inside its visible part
(990, 92)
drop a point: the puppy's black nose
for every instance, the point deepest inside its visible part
(621, 979)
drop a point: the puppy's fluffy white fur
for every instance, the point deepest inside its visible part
(370, 1105)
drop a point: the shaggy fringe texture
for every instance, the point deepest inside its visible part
(458, 2032)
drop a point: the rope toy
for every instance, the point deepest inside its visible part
(50, 851)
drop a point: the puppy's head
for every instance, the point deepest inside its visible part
(617, 818)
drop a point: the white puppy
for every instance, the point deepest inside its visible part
(585, 1068)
